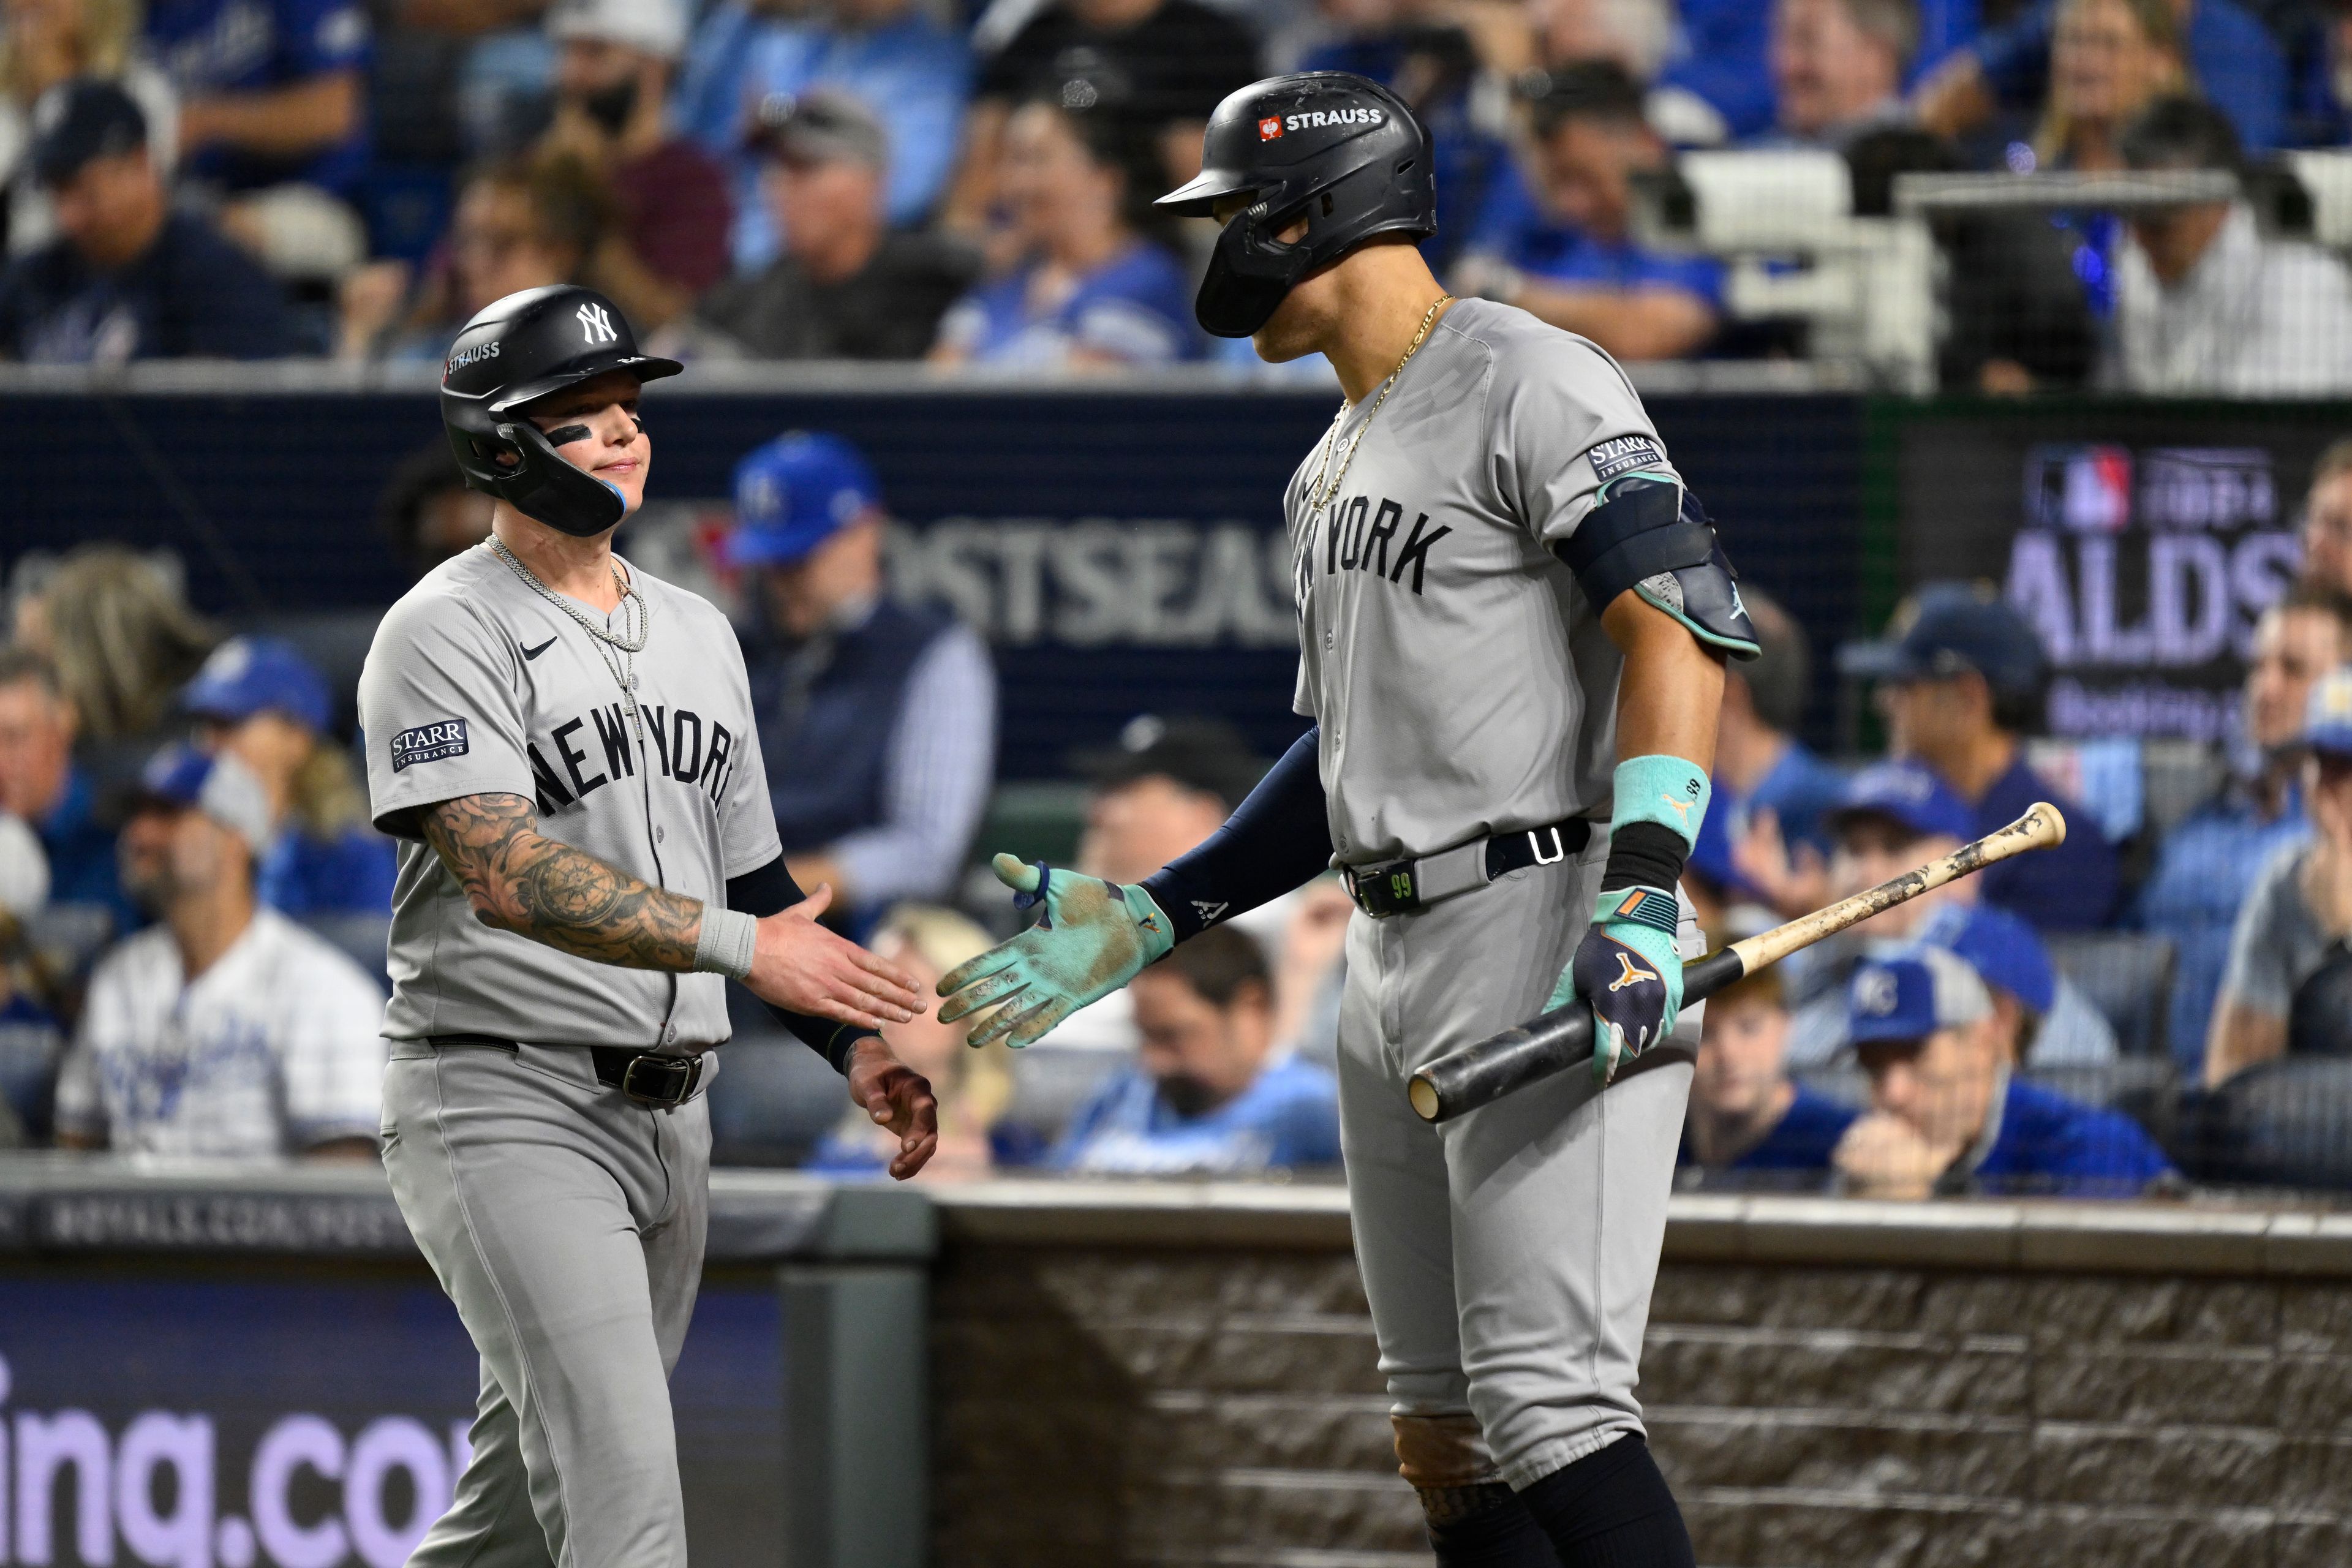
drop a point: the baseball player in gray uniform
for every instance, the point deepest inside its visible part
(1513, 620)
(566, 747)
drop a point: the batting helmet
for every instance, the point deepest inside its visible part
(1338, 149)
(520, 349)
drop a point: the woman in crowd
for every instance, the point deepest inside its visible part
(43, 43)
(1096, 286)
(2108, 60)
(124, 639)
(974, 1087)
(520, 223)
(258, 700)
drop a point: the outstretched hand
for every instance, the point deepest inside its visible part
(900, 1099)
(1091, 938)
(798, 965)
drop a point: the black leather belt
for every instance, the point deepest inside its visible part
(1401, 887)
(666, 1082)
(663, 1082)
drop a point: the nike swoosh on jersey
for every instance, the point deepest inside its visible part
(531, 653)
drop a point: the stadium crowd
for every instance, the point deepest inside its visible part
(192, 898)
(193, 903)
(971, 183)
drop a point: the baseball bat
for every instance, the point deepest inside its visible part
(1553, 1042)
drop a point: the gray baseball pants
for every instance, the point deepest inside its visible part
(1508, 1255)
(566, 1222)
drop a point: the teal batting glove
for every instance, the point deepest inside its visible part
(1094, 937)
(1627, 968)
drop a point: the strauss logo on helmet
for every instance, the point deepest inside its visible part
(1269, 127)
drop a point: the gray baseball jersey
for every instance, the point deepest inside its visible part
(475, 685)
(1462, 685)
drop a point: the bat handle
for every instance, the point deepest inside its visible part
(1480, 1074)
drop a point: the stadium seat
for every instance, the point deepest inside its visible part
(2127, 975)
(69, 937)
(362, 938)
(1050, 1081)
(772, 1101)
(2283, 1123)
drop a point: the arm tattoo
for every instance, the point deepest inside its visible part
(520, 881)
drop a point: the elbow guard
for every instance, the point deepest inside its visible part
(1653, 536)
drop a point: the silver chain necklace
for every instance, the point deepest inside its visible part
(636, 621)
(1320, 493)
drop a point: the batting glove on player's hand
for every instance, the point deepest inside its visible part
(1627, 970)
(1092, 938)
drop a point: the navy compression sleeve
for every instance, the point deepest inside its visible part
(1277, 840)
(760, 892)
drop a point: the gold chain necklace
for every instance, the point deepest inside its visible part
(1319, 495)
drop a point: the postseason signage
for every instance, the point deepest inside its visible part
(2142, 550)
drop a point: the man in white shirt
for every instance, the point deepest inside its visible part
(2205, 302)
(224, 1030)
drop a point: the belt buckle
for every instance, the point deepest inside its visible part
(1559, 845)
(678, 1074)
(1382, 891)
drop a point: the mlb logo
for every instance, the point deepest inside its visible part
(1269, 127)
(2082, 490)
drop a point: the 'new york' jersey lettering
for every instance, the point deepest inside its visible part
(1462, 684)
(676, 796)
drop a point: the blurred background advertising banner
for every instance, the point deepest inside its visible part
(308, 1418)
(1121, 550)
(2142, 542)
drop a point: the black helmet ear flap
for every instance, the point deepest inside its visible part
(553, 490)
(1250, 272)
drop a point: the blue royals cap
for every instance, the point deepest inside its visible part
(219, 785)
(250, 675)
(793, 494)
(1909, 995)
(2327, 714)
(2002, 948)
(1906, 793)
(1953, 628)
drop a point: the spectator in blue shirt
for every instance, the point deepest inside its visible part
(1726, 49)
(127, 278)
(270, 90)
(1750, 1125)
(2216, 45)
(1094, 288)
(877, 720)
(258, 700)
(1947, 1114)
(911, 72)
(1893, 817)
(1771, 792)
(1170, 62)
(2044, 1020)
(2208, 864)
(1960, 682)
(1434, 68)
(1838, 68)
(1207, 1094)
(40, 785)
(1566, 255)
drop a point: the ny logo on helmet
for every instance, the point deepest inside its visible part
(597, 325)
